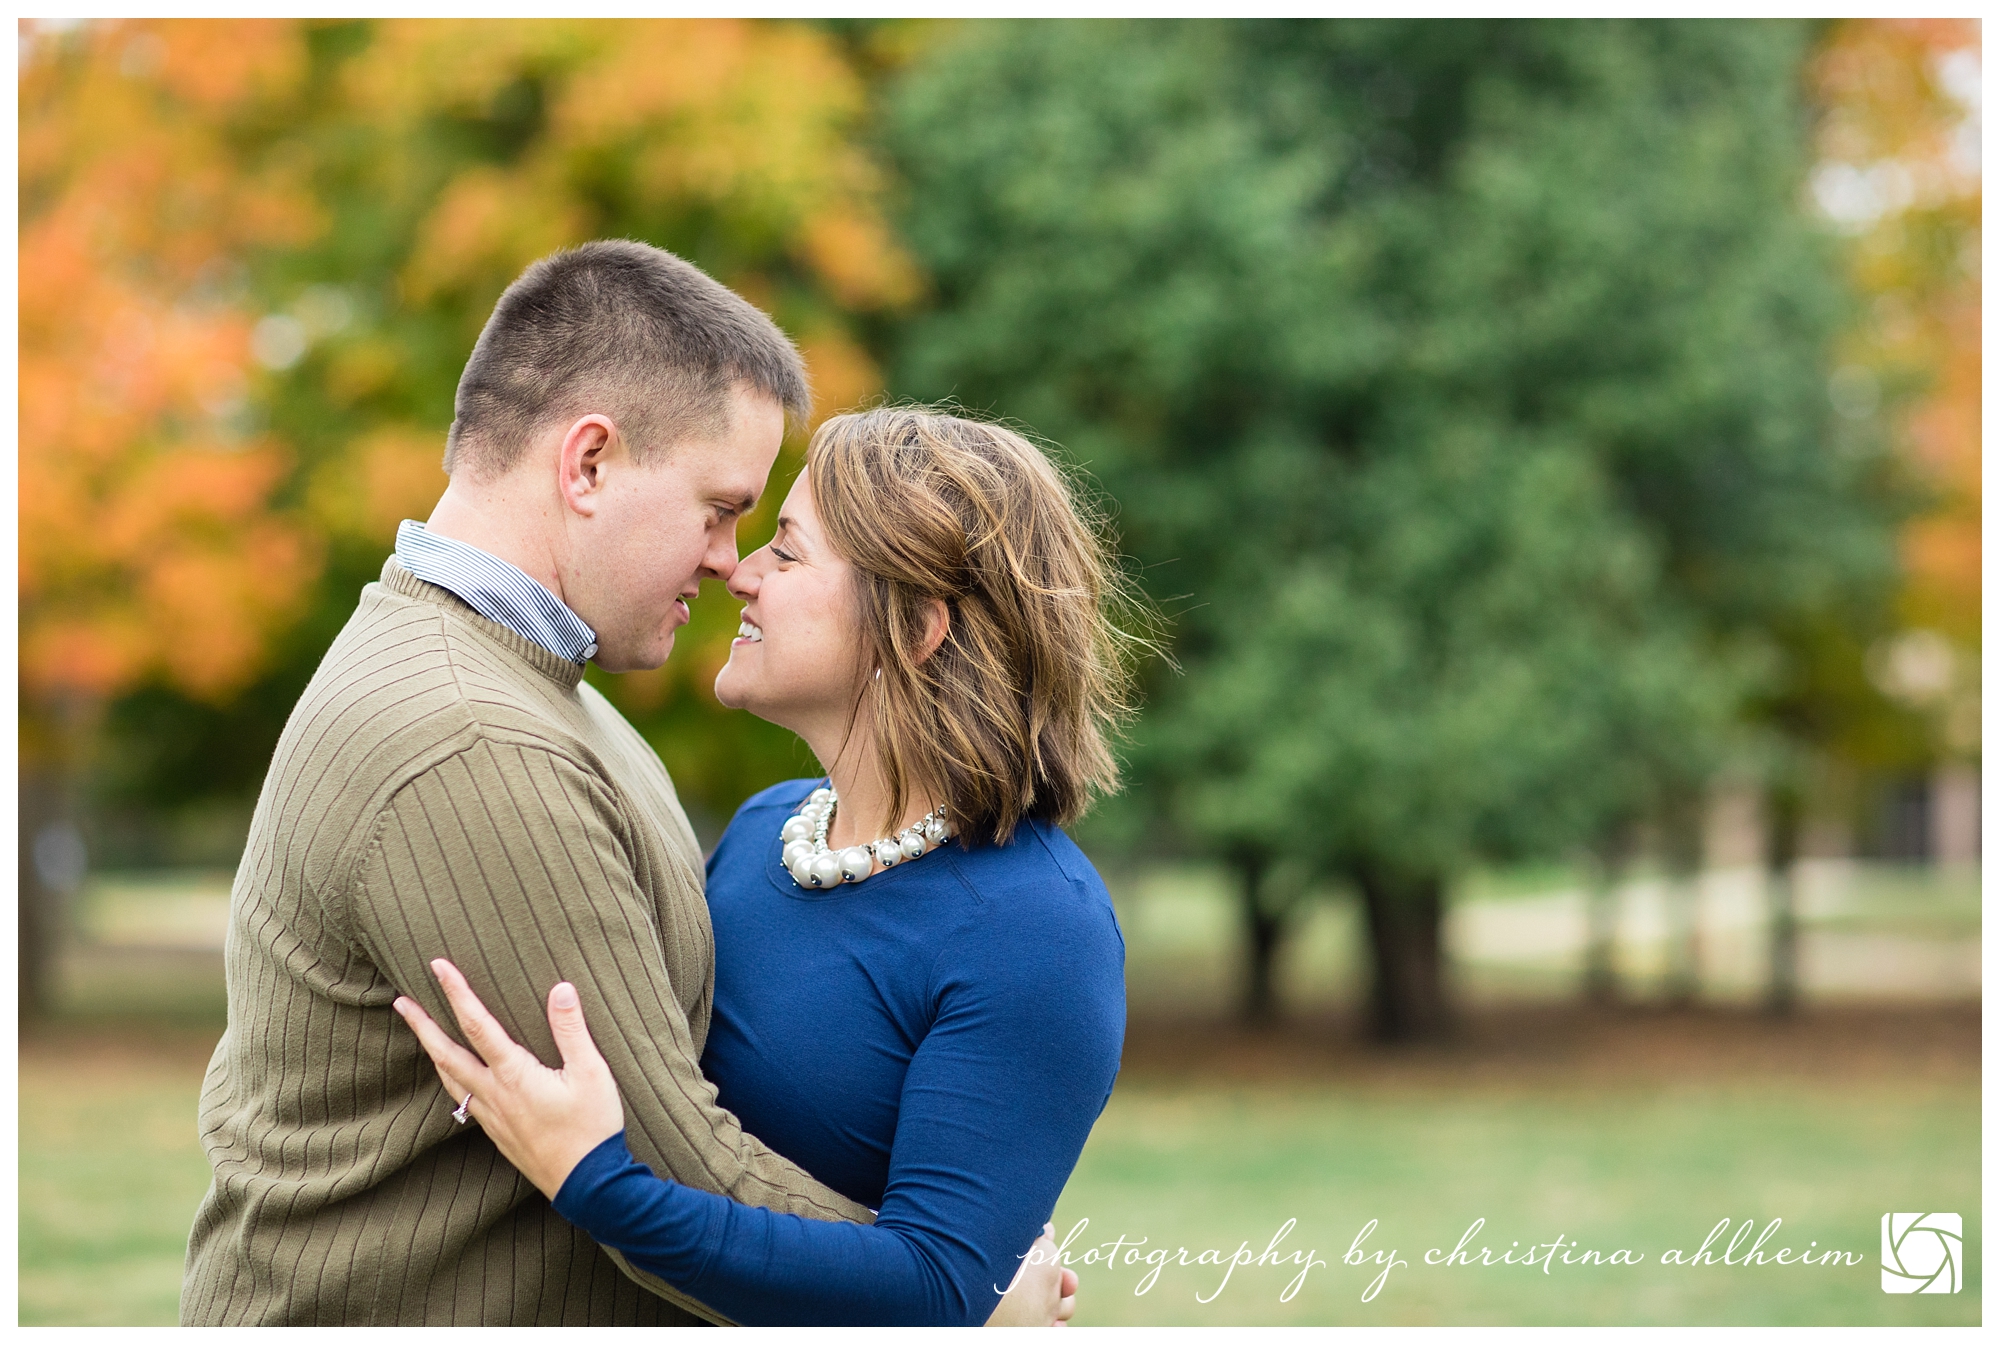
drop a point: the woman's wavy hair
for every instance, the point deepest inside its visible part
(1012, 715)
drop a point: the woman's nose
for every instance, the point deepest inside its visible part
(742, 583)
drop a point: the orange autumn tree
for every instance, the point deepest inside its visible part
(148, 544)
(150, 547)
(254, 256)
(1900, 173)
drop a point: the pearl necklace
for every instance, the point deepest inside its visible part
(812, 864)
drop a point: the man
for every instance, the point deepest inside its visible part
(448, 787)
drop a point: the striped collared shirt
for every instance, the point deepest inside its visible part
(497, 590)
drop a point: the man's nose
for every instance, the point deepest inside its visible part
(720, 562)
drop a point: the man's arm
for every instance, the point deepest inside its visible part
(506, 860)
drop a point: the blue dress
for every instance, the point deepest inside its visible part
(934, 1042)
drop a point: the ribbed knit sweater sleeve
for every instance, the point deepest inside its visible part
(508, 859)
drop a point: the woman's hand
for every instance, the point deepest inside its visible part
(544, 1120)
(1043, 1292)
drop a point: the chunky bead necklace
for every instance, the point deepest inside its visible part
(812, 864)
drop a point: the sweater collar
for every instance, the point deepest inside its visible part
(398, 579)
(496, 589)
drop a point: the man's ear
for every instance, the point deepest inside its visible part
(588, 447)
(937, 625)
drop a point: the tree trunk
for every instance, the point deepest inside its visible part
(1781, 854)
(1263, 931)
(1680, 835)
(1608, 863)
(1405, 920)
(51, 868)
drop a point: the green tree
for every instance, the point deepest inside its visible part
(1463, 386)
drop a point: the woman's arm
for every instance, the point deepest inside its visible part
(998, 1100)
(621, 1203)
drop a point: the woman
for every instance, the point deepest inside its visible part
(919, 990)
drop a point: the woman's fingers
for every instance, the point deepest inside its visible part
(1065, 1285)
(453, 1086)
(456, 1066)
(481, 1029)
(571, 1034)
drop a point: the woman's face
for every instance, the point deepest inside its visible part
(796, 661)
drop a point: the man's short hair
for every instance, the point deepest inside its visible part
(625, 329)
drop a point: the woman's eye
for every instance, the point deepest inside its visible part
(783, 556)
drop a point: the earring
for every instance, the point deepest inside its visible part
(878, 674)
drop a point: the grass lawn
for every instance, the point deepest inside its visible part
(110, 1175)
(1634, 1129)
(1639, 1134)
(1646, 1169)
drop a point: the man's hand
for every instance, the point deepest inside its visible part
(543, 1120)
(1043, 1292)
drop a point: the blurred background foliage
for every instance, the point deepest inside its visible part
(1524, 426)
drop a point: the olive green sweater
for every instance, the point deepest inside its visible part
(447, 788)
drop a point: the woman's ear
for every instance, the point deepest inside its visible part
(937, 625)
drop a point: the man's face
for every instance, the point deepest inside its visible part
(663, 527)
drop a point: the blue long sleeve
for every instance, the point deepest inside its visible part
(775, 1270)
(1013, 991)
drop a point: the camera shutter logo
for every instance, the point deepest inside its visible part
(1922, 1253)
